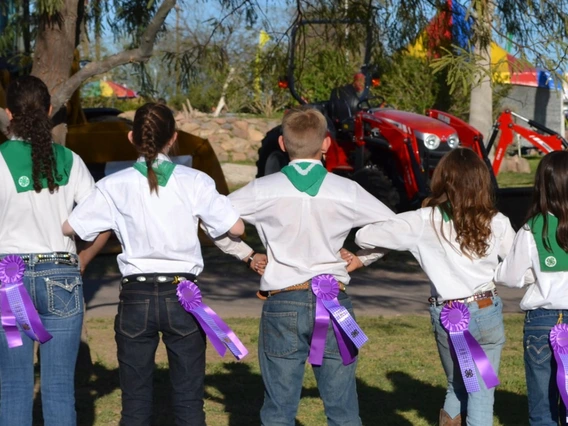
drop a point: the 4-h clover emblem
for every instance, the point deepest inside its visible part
(550, 261)
(24, 181)
(468, 373)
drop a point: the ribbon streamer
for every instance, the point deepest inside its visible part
(455, 319)
(559, 343)
(17, 306)
(215, 328)
(347, 332)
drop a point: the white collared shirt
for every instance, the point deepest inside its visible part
(158, 232)
(452, 274)
(303, 234)
(30, 222)
(546, 290)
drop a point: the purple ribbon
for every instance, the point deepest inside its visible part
(16, 305)
(215, 328)
(347, 332)
(559, 343)
(455, 319)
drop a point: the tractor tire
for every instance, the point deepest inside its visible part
(374, 181)
(270, 157)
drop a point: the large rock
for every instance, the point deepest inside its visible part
(515, 164)
(254, 135)
(190, 127)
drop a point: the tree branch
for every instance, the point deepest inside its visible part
(139, 54)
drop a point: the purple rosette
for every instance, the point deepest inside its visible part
(16, 305)
(12, 269)
(455, 318)
(559, 342)
(220, 334)
(347, 332)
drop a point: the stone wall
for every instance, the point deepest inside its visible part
(233, 139)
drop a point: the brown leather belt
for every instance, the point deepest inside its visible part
(263, 295)
(483, 299)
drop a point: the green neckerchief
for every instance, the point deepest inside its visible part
(556, 259)
(447, 217)
(162, 168)
(18, 157)
(305, 176)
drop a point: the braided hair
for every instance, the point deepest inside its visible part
(29, 101)
(154, 126)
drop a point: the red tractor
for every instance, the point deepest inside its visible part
(390, 153)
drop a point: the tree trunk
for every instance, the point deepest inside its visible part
(53, 53)
(481, 104)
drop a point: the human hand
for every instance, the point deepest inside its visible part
(259, 262)
(353, 261)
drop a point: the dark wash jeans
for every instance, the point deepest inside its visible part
(545, 405)
(145, 309)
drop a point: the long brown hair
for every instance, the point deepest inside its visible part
(154, 126)
(462, 189)
(551, 195)
(28, 101)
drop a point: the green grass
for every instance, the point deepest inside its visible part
(399, 377)
(511, 179)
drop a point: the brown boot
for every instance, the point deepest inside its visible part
(446, 420)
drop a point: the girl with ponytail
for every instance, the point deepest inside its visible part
(39, 184)
(155, 207)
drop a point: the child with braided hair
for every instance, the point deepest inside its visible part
(39, 183)
(154, 209)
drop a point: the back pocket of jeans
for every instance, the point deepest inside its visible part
(280, 333)
(537, 347)
(133, 317)
(64, 295)
(181, 321)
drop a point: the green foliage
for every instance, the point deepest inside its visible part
(49, 7)
(410, 84)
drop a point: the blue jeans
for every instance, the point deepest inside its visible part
(486, 325)
(145, 309)
(540, 367)
(57, 293)
(286, 328)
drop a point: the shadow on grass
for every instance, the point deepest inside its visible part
(241, 394)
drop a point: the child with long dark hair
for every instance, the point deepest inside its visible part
(154, 208)
(39, 183)
(539, 260)
(458, 238)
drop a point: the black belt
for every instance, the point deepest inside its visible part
(164, 278)
(57, 257)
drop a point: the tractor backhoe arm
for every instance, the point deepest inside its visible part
(546, 141)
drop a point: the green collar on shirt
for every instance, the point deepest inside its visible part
(18, 157)
(552, 260)
(305, 176)
(162, 168)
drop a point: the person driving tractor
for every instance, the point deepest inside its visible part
(344, 100)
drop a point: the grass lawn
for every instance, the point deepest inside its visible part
(400, 378)
(511, 179)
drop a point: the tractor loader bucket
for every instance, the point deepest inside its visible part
(101, 143)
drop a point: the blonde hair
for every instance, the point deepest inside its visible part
(303, 131)
(462, 188)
